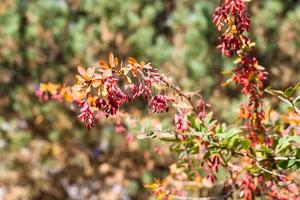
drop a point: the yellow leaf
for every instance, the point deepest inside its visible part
(116, 62)
(80, 95)
(68, 97)
(97, 76)
(52, 88)
(111, 60)
(107, 73)
(97, 83)
(87, 78)
(87, 89)
(103, 91)
(79, 79)
(44, 87)
(90, 71)
(128, 80)
(91, 100)
(252, 44)
(259, 67)
(56, 150)
(125, 70)
(76, 87)
(227, 82)
(238, 60)
(81, 71)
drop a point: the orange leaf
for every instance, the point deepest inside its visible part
(90, 71)
(132, 61)
(111, 60)
(68, 97)
(103, 64)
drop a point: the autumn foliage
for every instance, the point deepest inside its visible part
(258, 155)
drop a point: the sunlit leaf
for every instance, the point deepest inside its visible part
(103, 64)
(289, 91)
(107, 73)
(111, 60)
(81, 71)
(90, 71)
(132, 61)
(97, 83)
(128, 80)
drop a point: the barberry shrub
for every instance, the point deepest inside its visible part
(258, 155)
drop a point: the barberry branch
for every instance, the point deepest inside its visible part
(268, 171)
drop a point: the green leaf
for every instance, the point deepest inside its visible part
(198, 124)
(246, 144)
(182, 155)
(276, 92)
(54, 135)
(230, 133)
(234, 142)
(296, 100)
(197, 133)
(207, 155)
(291, 163)
(297, 86)
(286, 164)
(253, 169)
(295, 138)
(265, 149)
(283, 143)
(141, 137)
(208, 118)
(176, 147)
(289, 91)
(191, 118)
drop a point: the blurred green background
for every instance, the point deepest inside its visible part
(46, 154)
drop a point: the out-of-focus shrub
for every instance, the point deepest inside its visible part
(43, 40)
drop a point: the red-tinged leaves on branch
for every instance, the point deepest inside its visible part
(232, 18)
(86, 115)
(160, 103)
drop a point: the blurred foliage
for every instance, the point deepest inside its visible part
(45, 152)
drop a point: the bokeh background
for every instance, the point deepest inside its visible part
(46, 154)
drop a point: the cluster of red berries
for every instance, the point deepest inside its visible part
(232, 16)
(160, 103)
(86, 115)
(248, 187)
(115, 98)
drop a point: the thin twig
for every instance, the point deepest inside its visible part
(268, 171)
(178, 91)
(288, 101)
